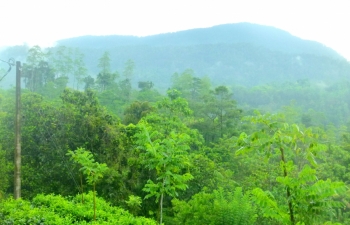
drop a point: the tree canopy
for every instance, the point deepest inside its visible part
(198, 154)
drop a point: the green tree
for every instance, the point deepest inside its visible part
(164, 141)
(129, 69)
(68, 64)
(125, 84)
(168, 157)
(37, 71)
(136, 111)
(104, 63)
(89, 83)
(93, 170)
(80, 71)
(134, 203)
(61, 60)
(105, 78)
(145, 85)
(192, 88)
(49, 128)
(297, 151)
(219, 115)
(184, 82)
(147, 93)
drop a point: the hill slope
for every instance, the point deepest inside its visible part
(240, 54)
(243, 53)
(258, 35)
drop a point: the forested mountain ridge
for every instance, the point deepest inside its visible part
(243, 53)
(231, 54)
(258, 35)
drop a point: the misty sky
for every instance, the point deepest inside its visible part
(45, 21)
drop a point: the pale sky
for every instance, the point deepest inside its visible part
(43, 22)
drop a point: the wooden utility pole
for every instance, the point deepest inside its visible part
(17, 180)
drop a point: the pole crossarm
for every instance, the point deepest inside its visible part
(11, 63)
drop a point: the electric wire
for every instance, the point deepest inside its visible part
(10, 62)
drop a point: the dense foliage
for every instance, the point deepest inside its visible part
(198, 154)
(57, 210)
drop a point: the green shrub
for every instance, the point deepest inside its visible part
(216, 208)
(53, 209)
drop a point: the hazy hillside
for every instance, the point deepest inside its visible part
(243, 54)
(258, 35)
(246, 54)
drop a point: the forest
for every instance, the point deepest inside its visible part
(110, 149)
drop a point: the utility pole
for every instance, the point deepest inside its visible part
(17, 151)
(17, 177)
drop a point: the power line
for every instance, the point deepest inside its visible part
(11, 63)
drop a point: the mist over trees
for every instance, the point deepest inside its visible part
(235, 133)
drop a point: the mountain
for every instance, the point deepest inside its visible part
(231, 54)
(242, 53)
(258, 35)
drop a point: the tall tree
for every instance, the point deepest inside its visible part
(164, 142)
(94, 171)
(308, 199)
(61, 58)
(129, 69)
(104, 63)
(220, 115)
(37, 71)
(105, 78)
(125, 84)
(80, 71)
(167, 155)
(89, 83)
